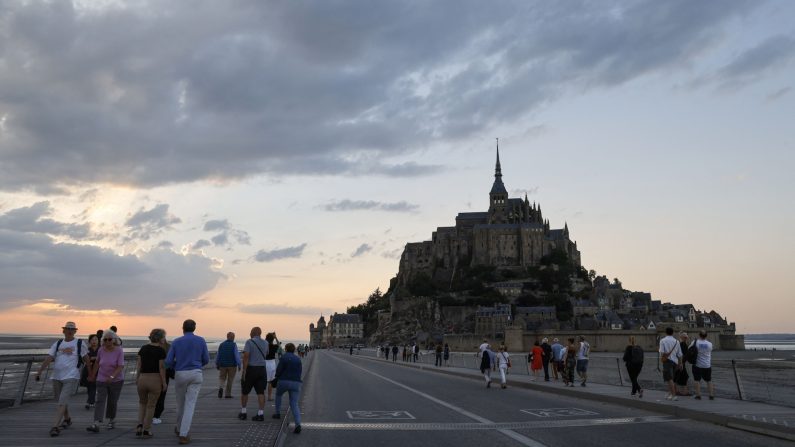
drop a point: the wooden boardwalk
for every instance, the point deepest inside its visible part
(215, 421)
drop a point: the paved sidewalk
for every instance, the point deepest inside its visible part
(756, 417)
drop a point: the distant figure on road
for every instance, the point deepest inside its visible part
(69, 354)
(394, 353)
(107, 372)
(557, 358)
(536, 359)
(702, 370)
(405, 353)
(254, 374)
(227, 362)
(188, 354)
(438, 351)
(582, 360)
(288, 377)
(503, 362)
(570, 363)
(681, 377)
(486, 363)
(633, 359)
(351, 351)
(150, 380)
(546, 358)
(446, 353)
(671, 359)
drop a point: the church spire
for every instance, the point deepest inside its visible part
(498, 187)
(498, 168)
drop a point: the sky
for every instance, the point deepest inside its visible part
(250, 163)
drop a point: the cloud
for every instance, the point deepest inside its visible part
(201, 243)
(338, 88)
(780, 93)
(358, 205)
(220, 239)
(223, 238)
(34, 268)
(774, 52)
(280, 253)
(215, 225)
(393, 254)
(281, 309)
(522, 192)
(32, 220)
(147, 223)
(362, 249)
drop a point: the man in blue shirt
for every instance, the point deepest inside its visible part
(227, 361)
(288, 378)
(188, 354)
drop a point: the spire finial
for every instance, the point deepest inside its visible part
(498, 168)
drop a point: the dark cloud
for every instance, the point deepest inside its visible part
(220, 239)
(357, 205)
(280, 253)
(147, 223)
(34, 268)
(145, 94)
(780, 93)
(201, 243)
(215, 225)
(773, 52)
(32, 220)
(165, 244)
(281, 309)
(360, 250)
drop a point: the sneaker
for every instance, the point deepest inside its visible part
(698, 397)
(110, 425)
(488, 384)
(276, 416)
(220, 393)
(668, 397)
(242, 416)
(147, 434)
(297, 429)
(93, 428)
(157, 421)
(258, 418)
(88, 406)
(55, 431)
(675, 398)
(66, 423)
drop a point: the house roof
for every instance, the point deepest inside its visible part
(346, 318)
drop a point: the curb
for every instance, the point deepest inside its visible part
(702, 416)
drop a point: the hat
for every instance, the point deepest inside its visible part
(70, 325)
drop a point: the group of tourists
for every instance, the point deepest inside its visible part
(98, 364)
(411, 353)
(674, 356)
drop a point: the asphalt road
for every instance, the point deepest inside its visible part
(351, 401)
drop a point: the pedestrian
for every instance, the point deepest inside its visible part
(67, 355)
(547, 350)
(416, 351)
(503, 362)
(405, 352)
(557, 358)
(227, 362)
(188, 355)
(446, 353)
(681, 377)
(351, 350)
(671, 358)
(535, 358)
(161, 401)
(570, 363)
(702, 370)
(439, 350)
(108, 373)
(91, 387)
(582, 360)
(394, 353)
(254, 374)
(486, 363)
(633, 359)
(150, 380)
(288, 378)
(270, 360)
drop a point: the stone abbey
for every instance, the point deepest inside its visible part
(511, 234)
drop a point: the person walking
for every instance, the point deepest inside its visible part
(557, 358)
(633, 359)
(681, 377)
(254, 374)
(583, 353)
(547, 350)
(91, 387)
(109, 376)
(161, 401)
(486, 363)
(570, 363)
(394, 353)
(702, 370)
(150, 381)
(288, 379)
(671, 359)
(446, 353)
(67, 355)
(416, 352)
(535, 358)
(227, 362)
(188, 355)
(270, 360)
(503, 363)
(405, 353)
(439, 350)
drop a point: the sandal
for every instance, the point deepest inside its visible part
(139, 430)
(147, 434)
(55, 431)
(66, 423)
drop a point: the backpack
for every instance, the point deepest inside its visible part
(79, 348)
(636, 356)
(692, 353)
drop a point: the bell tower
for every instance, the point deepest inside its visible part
(498, 197)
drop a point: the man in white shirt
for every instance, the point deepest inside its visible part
(702, 370)
(582, 360)
(671, 358)
(68, 355)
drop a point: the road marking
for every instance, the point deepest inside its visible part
(370, 415)
(524, 440)
(453, 426)
(557, 412)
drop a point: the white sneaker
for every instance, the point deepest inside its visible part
(668, 397)
(674, 398)
(156, 421)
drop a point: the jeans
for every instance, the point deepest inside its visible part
(91, 390)
(633, 369)
(294, 389)
(188, 385)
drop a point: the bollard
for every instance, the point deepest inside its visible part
(618, 365)
(24, 384)
(737, 379)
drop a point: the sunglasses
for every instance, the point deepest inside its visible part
(107, 339)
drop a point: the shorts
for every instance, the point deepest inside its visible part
(270, 369)
(704, 374)
(255, 378)
(582, 365)
(669, 368)
(64, 389)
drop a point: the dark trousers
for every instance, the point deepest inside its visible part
(634, 371)
(161, 401)
(415, 357)
(438, 359)
(91, 389)
(545, 363)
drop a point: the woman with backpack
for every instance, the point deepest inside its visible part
(633, 358)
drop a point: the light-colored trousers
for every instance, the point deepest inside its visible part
(503, 370)
(149, 388)
(188, 385)
(226, 375)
